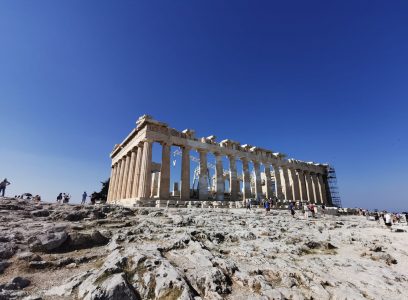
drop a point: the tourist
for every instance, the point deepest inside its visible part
(84, 195)
(59, 198)
(66, 198)
(323, 209)
(312, 209)
(377, 217)
(248, 205)
(3, 185)
(388, 220)
(267, 207)
(292, 209)
(305, 210)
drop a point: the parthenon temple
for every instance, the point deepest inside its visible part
(138, 181)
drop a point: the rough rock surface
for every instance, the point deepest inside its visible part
(111, 252)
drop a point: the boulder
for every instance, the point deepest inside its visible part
(21, 282)
(7, 250)
(49, 241)
(3, 266)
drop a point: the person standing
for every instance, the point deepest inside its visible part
(59, 198)
(3, 185)
(84, 195)
(292, 209)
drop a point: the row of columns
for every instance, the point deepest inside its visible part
(131, 178)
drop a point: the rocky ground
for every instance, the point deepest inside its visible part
(110, 252)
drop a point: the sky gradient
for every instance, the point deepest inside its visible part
(319, 81)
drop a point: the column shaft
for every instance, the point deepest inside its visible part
(310, 191)
(120, 179)
(258, 184)
(131, 173)
(295, 184)
(219, 175)
(322, 189)
(268, 181)
(185, 174)
(316, 189)
(203, 180)
(136, 177)
(303, 189)
(233, 179)
(145, 179)
(247, 179)
(164, 185)
(111, 180)
(116, 182)
(125, 177)
(278, 182)
(287, 187)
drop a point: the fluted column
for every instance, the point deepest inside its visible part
(322, 188)
(120, 179)
(287, 187)
(295, 184)
(145, 180)
(316, 189)
(111, 181)
(136, 177)
(164, 184)
(131, 173)
(233, 179)
(116, 182)
(125, 176)
(185, 173)
(268, 181)
(258, 184)
(203, 180)
(219, 175)
(278, 182)
(309, 185)
(247, 179)
(303, 189)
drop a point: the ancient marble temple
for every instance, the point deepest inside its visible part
(137, 181)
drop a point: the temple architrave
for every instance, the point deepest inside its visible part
(137, 181)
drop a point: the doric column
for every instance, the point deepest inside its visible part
(287, 188)
(247, 179)
(136, 177)
(145, 180)
(185, 173)
(258, 183)
(309, 185)
(295, 184)
(125, 176)
(316, 188)
(203, 180)
(111, 180)
(278, 182)
(322, 189)
(303, 189)
(233, 179)
(131, 173)
(120, 179)
(219, 175)
(268, 181)
(116, 181)
(164, 185)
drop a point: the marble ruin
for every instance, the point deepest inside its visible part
(137, 181)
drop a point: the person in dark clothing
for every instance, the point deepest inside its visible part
(3, 185)
(292, 209)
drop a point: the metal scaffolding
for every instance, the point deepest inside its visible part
(333, 194)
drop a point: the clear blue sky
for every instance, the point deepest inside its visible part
(318, 80)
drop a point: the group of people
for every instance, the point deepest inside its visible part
(307, 208)
(63, 198)
(389, 218)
